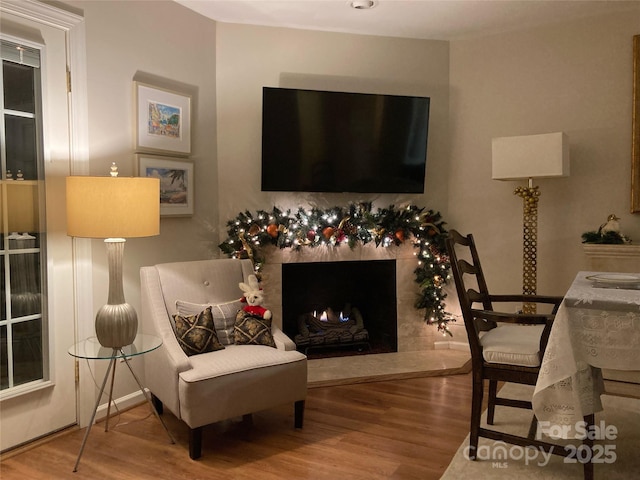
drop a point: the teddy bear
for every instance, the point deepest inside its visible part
(253, 297)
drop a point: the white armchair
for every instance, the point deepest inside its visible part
(209, 387)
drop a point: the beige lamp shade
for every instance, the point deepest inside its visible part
(530, 156)
(22, 207)
(113, 207)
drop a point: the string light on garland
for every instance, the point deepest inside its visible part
(355, 224)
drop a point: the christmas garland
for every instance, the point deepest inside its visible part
(352, 225)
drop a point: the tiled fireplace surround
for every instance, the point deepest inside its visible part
(413, 332)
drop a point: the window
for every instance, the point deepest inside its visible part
(22, 325)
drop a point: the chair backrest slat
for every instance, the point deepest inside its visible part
(470, 284)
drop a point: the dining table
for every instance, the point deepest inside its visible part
(597, 327)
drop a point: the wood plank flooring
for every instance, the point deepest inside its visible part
(400, 429)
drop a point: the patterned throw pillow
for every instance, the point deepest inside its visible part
(224, 316)
(196, 333)
(253, 330)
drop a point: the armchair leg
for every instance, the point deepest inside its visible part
(491, 407)
(299, 414)
(195, 443)
(157, 404)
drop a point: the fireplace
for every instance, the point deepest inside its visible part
(340, 308)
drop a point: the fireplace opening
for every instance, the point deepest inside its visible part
(340, 308)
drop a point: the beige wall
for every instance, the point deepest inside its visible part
(167, 45)
(250, 57)
(172, 47)
(572, 77)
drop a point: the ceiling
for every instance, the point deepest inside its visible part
(425, 19)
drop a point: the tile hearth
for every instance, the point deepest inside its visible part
(386, 366)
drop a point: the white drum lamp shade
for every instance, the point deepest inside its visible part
(114, 208)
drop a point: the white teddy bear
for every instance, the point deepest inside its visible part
(253, 297)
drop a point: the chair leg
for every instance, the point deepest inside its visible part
(491, 407)
(195, 443)
(588, 442)
(476, 413)
(299, 414)
(157, 404)
(533, 428)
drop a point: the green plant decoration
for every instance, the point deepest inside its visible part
(355, 224)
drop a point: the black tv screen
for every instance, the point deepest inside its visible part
(319, 141)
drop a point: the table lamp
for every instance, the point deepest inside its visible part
(525, 158)
(114, 208)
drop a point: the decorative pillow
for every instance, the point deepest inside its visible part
(224, 316)
(253, 330)
(196, 333)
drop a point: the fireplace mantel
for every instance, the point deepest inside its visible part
(612, 258)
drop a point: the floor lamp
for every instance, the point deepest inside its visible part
(114, 208)
(525, 158)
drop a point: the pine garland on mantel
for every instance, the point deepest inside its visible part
(352, 225)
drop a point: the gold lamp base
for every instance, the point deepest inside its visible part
(530, 196)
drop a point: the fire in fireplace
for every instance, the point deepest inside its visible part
(329, 330)
(340, 308)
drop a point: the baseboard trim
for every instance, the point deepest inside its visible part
(123, 403)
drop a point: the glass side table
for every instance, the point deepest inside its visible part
(91, 349)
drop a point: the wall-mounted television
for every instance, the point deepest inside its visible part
(321, 141)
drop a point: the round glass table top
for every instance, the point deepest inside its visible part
(91, 348)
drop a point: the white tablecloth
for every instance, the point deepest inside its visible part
(595, 328)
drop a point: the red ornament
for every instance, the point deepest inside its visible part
(311, 235)
(272, 230)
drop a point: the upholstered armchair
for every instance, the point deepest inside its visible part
(237, 380)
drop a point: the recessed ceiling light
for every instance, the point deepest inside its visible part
(363, 4)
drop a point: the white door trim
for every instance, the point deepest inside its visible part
(74, 27)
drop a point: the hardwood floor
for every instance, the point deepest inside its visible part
(400, 429)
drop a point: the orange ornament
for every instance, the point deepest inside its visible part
(399, 235)
(272, 229)
(328, 232)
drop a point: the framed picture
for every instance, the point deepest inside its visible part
(163, 120)
(635, 127)
(176, 183)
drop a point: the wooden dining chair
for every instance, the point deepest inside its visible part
(505, 346)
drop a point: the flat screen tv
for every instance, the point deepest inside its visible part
(319, 141)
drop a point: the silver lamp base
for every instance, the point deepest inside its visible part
(117, 321)
(116, 325)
